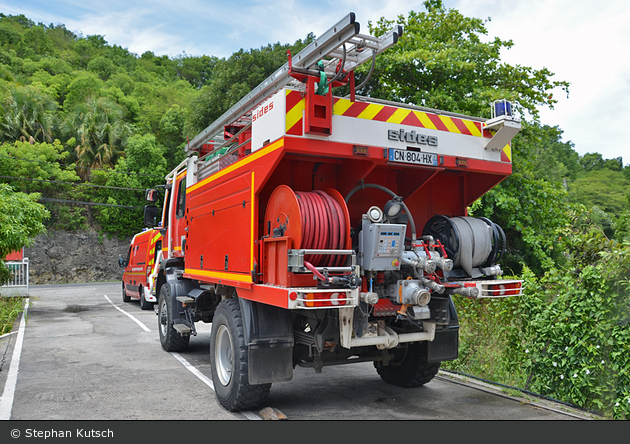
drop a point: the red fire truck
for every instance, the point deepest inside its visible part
(315, 230)
(138, 279)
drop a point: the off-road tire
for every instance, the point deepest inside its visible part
(169, 338)
(144, 305)
(229, 360)
(410, 367)
(124, 294)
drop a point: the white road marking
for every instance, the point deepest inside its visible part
(191, 368)
(132, 317)
(6, 402)
(208, 382)
(194, 370)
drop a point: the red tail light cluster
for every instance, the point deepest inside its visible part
(511, 289)
(332, 299)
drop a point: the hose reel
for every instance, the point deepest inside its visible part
(315, 220)
(470, 242)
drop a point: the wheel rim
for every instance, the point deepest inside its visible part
(223, 355)
(163, 318)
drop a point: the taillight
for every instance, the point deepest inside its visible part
(511, 289)
(332, 299)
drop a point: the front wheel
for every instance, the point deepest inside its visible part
(410, 367)
(229, 360)
(170, 339)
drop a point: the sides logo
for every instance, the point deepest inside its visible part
(412, 137)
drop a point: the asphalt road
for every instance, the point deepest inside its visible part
(87, 355)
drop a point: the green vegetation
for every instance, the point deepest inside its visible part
(10, 309)
(21, 219)
(78, 104)
(93, 122)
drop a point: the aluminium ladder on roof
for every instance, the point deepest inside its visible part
(331, 44)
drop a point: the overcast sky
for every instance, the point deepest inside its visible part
(584, 42)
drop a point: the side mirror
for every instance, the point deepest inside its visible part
(121, 262)
(151, 195)
(150, 215)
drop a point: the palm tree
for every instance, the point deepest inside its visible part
(27, 115)
(99, 131)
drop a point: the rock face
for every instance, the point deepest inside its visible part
(61, 257)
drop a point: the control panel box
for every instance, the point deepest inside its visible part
(381, 246)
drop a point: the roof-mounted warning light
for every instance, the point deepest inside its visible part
(503, 125)
(501, 108)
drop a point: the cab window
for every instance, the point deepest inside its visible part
(181, 199)
(128, 258)
(167, 202)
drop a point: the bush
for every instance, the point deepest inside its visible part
(567, 337)
(10, 309)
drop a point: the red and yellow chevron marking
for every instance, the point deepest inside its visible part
(295, 112)
(381, 113)
(390, 114)
(402, 116)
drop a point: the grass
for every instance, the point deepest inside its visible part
(10, 309)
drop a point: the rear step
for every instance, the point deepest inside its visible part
(182, 329)
(185, 299)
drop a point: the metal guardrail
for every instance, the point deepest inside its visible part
(18, 283)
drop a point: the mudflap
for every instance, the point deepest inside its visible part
(269, 336)
(445, 345)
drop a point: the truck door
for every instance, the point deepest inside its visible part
(177, 232)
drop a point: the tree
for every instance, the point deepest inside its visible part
(441, 62)
(592, 161)
(21, 219)
(38, 161)
(142, 167)
(171, 135)
(102, 66)
(84, 86)
(100, 134)
(198, 71)
(235, 77)
(27, 114)
(604, 188)
(615, 164)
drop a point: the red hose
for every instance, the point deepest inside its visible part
(333, 238)
(310, 266)
(323, 227)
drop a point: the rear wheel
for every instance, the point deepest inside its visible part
(229, 360)
(169, 338)
(124, 294)
(410, 367)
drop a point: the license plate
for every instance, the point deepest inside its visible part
(413, 157)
